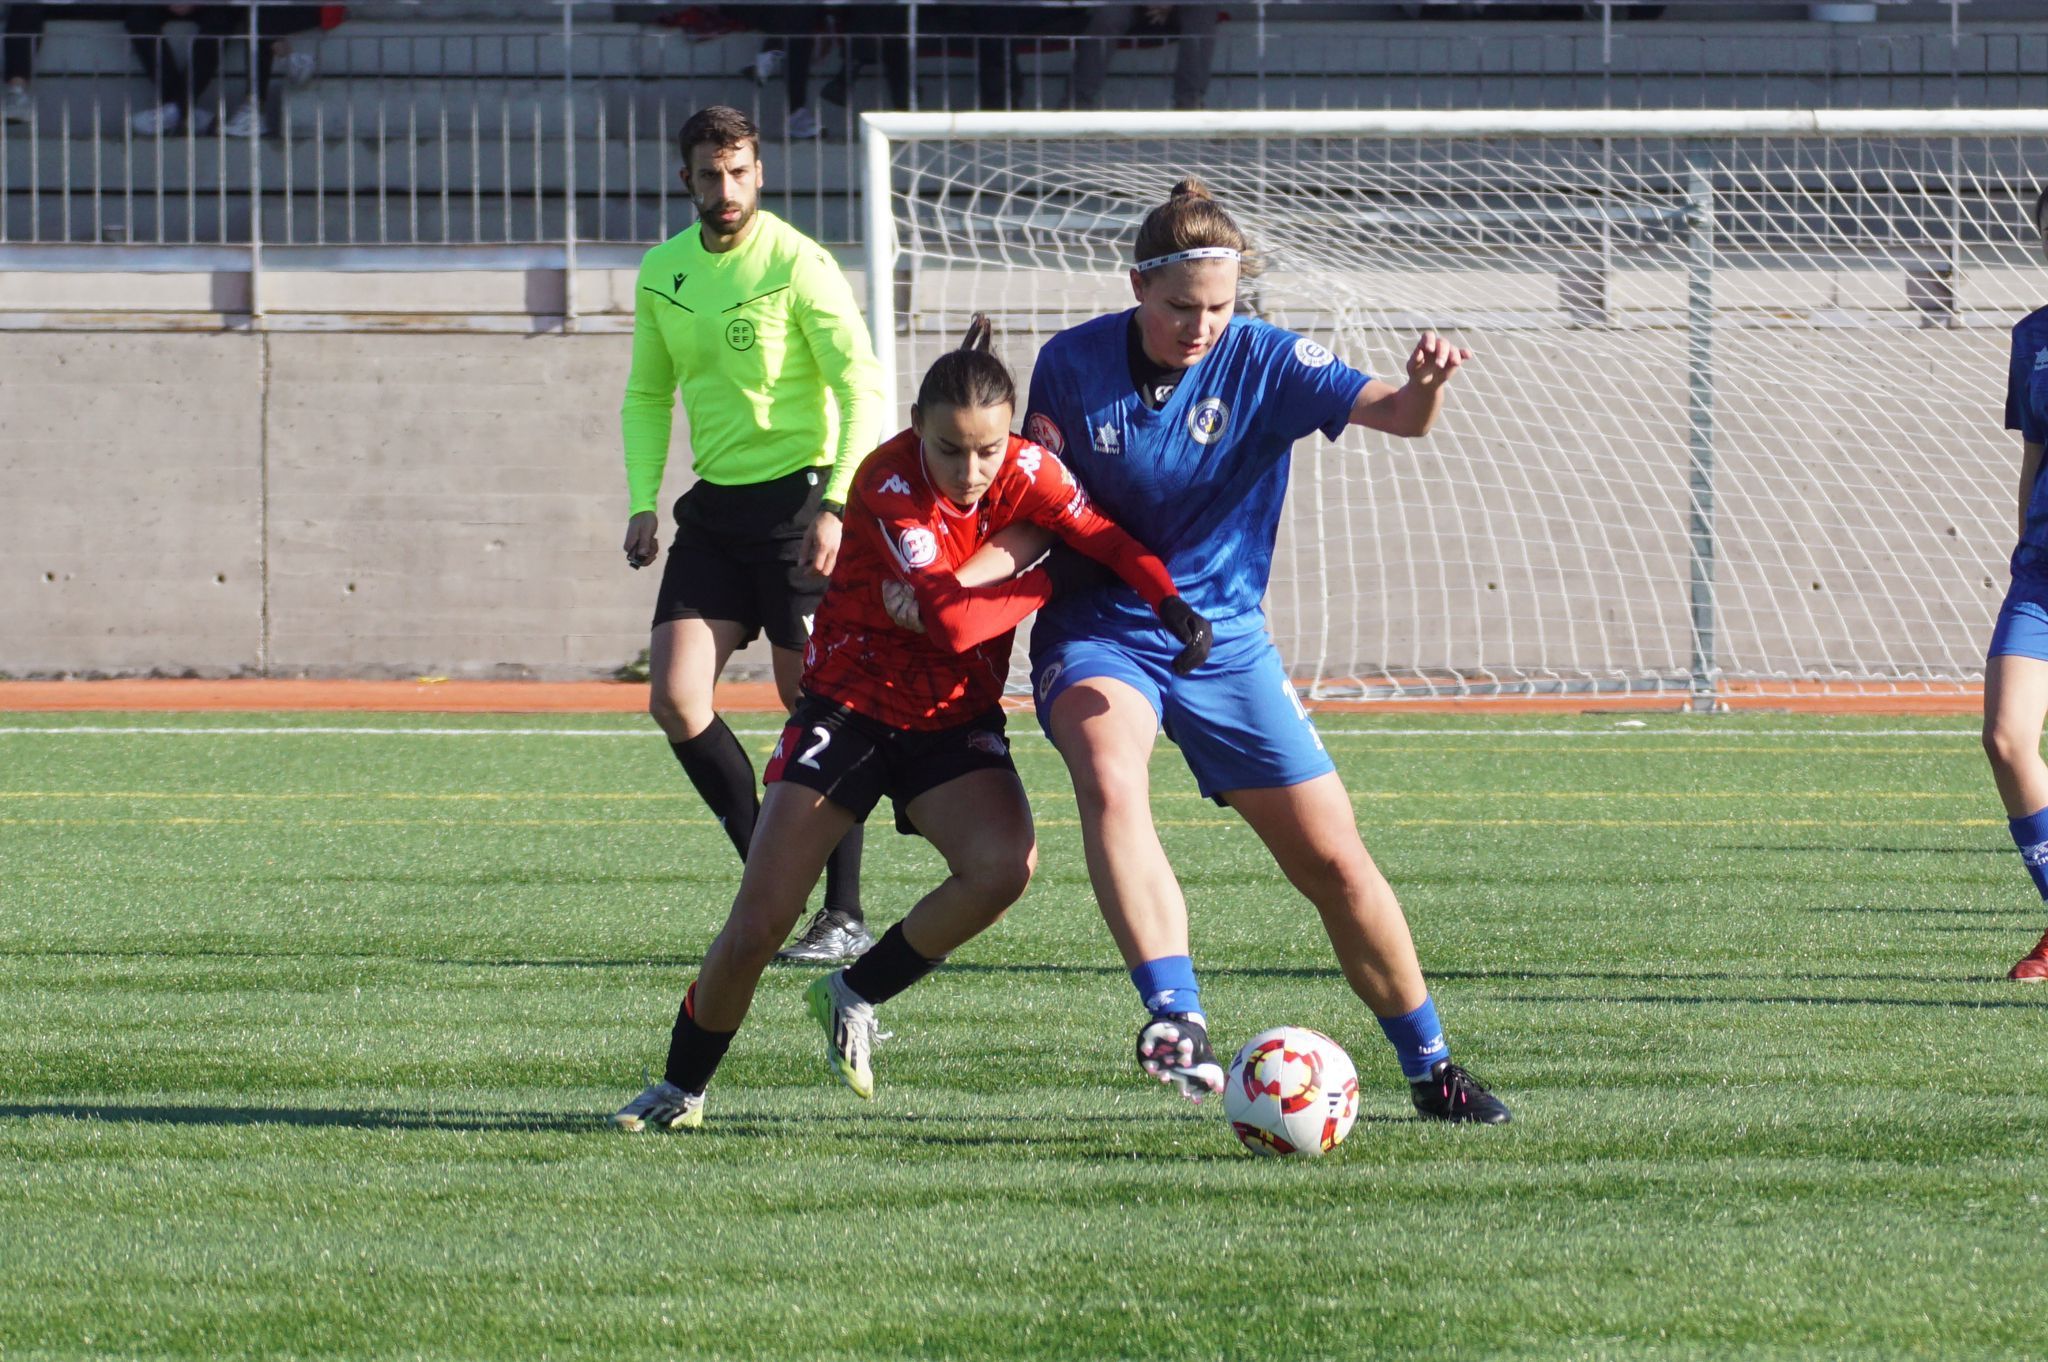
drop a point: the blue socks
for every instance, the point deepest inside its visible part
(1168, 985)
(2030, 835)
(1418, 1040)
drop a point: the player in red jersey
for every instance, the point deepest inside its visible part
(906, 705)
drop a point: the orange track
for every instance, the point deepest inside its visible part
(605, 697)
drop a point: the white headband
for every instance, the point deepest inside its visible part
(1198, 253)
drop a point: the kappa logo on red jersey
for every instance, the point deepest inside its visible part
(1040, 429)
(1030, 458)
(919, 546)
(895, 483)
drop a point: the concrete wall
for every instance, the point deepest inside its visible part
(395, 494)
(311, 504)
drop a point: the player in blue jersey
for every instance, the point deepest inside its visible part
(2016, 672)
(1178, 417)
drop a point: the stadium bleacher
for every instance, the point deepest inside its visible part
(460, 123)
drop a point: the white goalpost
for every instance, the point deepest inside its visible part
(1734, 421)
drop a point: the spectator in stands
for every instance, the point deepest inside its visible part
(792, 31)
(1194, 26)
(997, 33)
(178, 91)
(23, 33)
(873, 32)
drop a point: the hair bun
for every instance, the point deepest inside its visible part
(981, 334)
(1190, 188)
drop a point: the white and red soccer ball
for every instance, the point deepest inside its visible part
(1291, 1091)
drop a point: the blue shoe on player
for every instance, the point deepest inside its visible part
(1174, 1048)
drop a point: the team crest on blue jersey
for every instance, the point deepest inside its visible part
(1207, 420)
(1311, 354)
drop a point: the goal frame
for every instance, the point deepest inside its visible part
(882, 133)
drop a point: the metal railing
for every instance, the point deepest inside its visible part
(558, 130)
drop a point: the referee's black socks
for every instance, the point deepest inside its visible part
(842, 876)
(718, 766)
(888, 967)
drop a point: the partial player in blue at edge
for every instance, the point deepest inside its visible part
(2016, 672)
(1178, 417)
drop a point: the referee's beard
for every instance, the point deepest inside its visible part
(714, 225)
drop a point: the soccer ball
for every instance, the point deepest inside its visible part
(1291, 1091)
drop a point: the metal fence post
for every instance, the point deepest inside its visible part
(879, 229)
(1699, 220)
(569, 165)
(255, 182)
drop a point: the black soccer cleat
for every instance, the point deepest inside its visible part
(1174, 1048)
(1451, 1094)
(832, 938)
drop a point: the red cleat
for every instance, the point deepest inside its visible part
(2033, 966)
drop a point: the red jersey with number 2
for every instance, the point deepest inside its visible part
(900, 527)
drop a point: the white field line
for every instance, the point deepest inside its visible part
(1021, 731)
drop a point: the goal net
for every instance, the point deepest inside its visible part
(1734, 420)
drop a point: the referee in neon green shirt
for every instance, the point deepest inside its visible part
(755, 323)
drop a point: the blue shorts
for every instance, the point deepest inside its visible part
(1237, 721)
(2022, 628)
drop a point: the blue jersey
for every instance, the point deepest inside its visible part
(1200, 482)
(2026, 411)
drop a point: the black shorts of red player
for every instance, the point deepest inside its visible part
(854, 760)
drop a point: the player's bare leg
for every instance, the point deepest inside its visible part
(2015, 704)
(981, 824)
(1105, 731)
(803, 826)
(838, 931)
(1310, 830)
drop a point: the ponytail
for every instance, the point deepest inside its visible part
(969, 376)
(1190, 225)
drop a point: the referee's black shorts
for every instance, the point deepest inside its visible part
(738, 556)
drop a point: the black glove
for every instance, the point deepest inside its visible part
(1072, 570)
(1184, 624)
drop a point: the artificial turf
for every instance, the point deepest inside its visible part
(307, 1040)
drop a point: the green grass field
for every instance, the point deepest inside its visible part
(307, 1040)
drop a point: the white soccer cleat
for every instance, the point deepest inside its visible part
(848, 1021)
(664, 1106)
